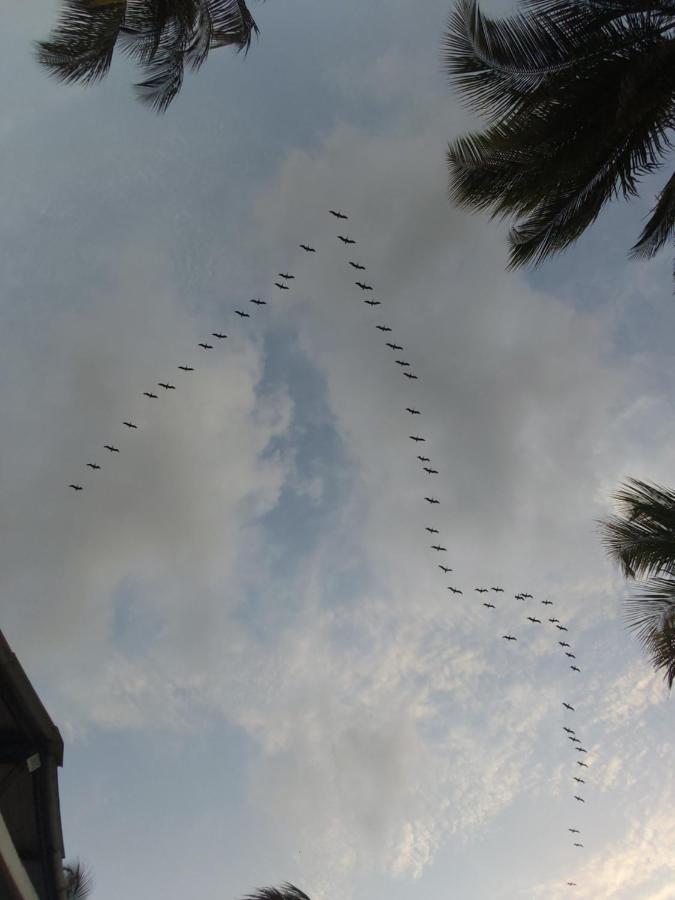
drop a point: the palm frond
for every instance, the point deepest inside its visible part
(287, 891)
(78, 881)
(661, 224)
(651, 614)
(642, 538)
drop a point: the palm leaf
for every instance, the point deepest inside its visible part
(661, 224)
(287, 891)
(651, 614)
(78, 881)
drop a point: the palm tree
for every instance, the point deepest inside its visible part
(287, 891)
(78, 881)
(642, 541)
(580, 101)
(163, 36)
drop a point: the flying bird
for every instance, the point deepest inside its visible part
(282, 287)
(383, 328)
(219, 335)
(403, 363)
(580, 799)
(394, 346)
(307, 248)
(93, 466)
(563, 644)
(509, 637)
(571, 655)
(150, 395)
(580, 780)
(357, 265)
(527, 595)
(445, 569)
(424, 459)
(561, 628)
(574, 830)
(111, 448)
(286, 276)
(582, 764)
(242, 315)
(373, 302)
(567, 706)
(481, 590)
(166, 385)
(568, 730)
(553, 621)
(438, 547)
(490, 605)
(547, 602)
(455, 590)
(432, 500)
(575, 668)
(76, 487)
(259, 302)
(519, 596)
(430, 471)
(337, 214)
(186, 368)
(574, 739)
(497, 590)
(410, 376)
(417, 438)
(581, 749)
(533, 619)
(130, 424)
(346, 239)
(363, 285)
(413, 412)
(431, 530)
(206, 346)
(576, 844)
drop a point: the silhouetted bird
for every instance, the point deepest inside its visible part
(76, 487)
(417, 438)
(259, 302)
(431, 530)
(438, 547)
(575, 668)
(576, 844)
(308, 249)
(528, 595)
(553, 621)
(455, 590)
(337, 214)
(580, 799)
(547, 602)
(567, 706)
(561, 628)
(519, 596)
(490, 605)
(413, 412)
(383, 328)
(394, 346)
(574, 830)
(186, 368)
(432, 500)
(356, 265)
(363, 285)
(497, 590)
(580, 780)
(206, 346)
(571, 655)
(574, 738)
(403, 363)
(509, 637)
(410, 376)
(217, 334)
(373, 302)
(568, 730)
(533, 620)
(346, 239)
(166, 386)
(563, 644)
(282, 287)
(242, 315)
(430, 471)
(93, 466)
(130, 425)
(445, 569)
(150, 395)
(582, 764)
(424, 459)
(286, 276)
(481, 590)
(111, 448)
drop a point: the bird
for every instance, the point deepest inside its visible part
(394, 346)
(527, 595)
(242, 315)
(373, 302)
(412, 411)
(580, 799)
(561, 628)
(111, 448)
(567, 706)
(574, 830)
(307, 248)
(581, 749)
(383, 328)
(481, 590)
(575, 668)
(580, 780)
(205, 346)
(574, 739)
(410, 376)
(430, 471)
(417, 438)
(553, 621)
(577, 844)
(490, 605)
(150, 395)
(581, 763)
(93, 466)
(356, 265)
(282, 287)
(424, 459)
(363, 285)
(455, 590)
(403, 363)
(346, 239)
(432, 500)
(519, 596)
(446, 569)
(571, 655)
(497, 590)
(568, 730)
(166, 386)
(431, 530)
(130, 424)
(563, 644)
(438, 547)
(186, 368)
(547, 602)
(286, 276)
(337, 214)
(259, 302)
(533, 619)
(76, 487)
(219, 335)
(509, 637)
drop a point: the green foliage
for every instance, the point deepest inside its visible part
(163, 36)
(579, 97)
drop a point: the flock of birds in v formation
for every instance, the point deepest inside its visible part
(493, 591)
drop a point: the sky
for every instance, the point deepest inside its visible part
(239, 625)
